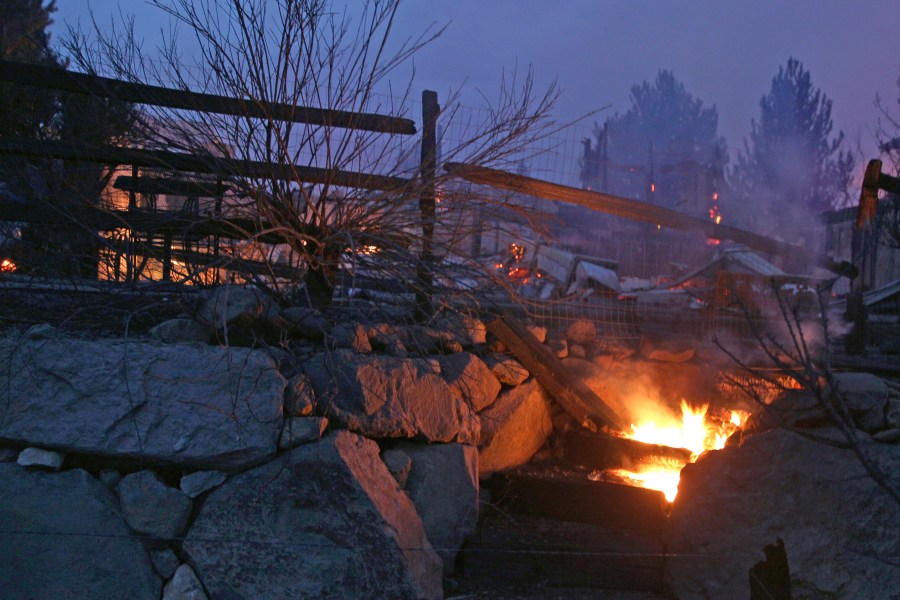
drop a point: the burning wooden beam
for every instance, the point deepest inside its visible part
(601, 451)
(572, 394)
(638, 211)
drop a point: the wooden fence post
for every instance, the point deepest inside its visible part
(863, 246)
(428, 168)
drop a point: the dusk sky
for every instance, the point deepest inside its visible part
(724, 51)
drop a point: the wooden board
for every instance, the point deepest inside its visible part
(602, 451)
(568, 390)
(576, 498)
(515, 550)
(141, 93)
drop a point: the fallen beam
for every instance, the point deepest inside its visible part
(572, 394)
(639, 211)
(141, 93)
(602, 451)
(580, 500)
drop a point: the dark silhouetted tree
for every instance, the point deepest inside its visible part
(667, 138)
(791, 167)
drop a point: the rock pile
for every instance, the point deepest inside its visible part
(253, 451)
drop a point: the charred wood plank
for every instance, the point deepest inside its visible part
(602, 451)
(580, 501)
(141, 93)
(212, 165)
(572, 394)
(523, 550)
(639, 211)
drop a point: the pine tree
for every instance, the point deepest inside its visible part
(24, 111)
(665, 139)
(791, 167)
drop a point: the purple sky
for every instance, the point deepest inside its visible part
(724, 51)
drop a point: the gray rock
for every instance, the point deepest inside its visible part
(866, 397)
(301, 430)
(196, 483)
(893, 413)
(109, 477)
(184, 585)
(398, 463)
(389, 397)
(299, 398)
(839, 527)
(466, 330)
(355, 337)
(192, 406)
(514, 428)
(84, 550)
(324, 520)
(164, 562)
(888, 436)
(581, 332)
(42, 331)
(176, 331)
(307, 323)
(471, 377)
(507, 370)
(538, 331)
(153, 508)
(38, 457)
(559, 347)
(443, 484)
(229, 305)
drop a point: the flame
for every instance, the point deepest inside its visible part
(696, 432)
(7, 266)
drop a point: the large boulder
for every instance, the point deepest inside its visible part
(514, 428)
(839, 527)
(471, 377)
(229, 305)
(389, 397)
(193, 406)
(64, 537)
(443, 484)
(324, 520)
(866, 397)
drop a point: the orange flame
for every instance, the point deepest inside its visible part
(7, 266)
(694, 432)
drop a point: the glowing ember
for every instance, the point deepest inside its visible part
(697, 432)
(7, 266)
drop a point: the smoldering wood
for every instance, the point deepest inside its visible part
(639, 211)
(211, 165)
(141, 93)
(603, 451)
(580, 500)
(585, 406)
